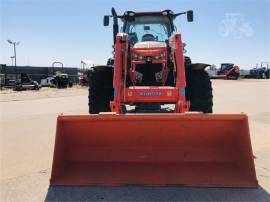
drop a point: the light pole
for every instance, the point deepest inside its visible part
(15, 57)
(12, 57)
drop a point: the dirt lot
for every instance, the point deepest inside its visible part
(27, 129)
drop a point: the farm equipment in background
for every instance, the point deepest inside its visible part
(84, 80)
(10, 83)
(151, 145)
(86, 65)
(60, 79)
(267, 72)
(47, 82)
(261, 72)
(228, 71)
(2, 80)
(212, 71)
(26, 83)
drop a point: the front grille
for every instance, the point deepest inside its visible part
(149, 74)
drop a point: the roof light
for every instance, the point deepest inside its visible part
(164, 13)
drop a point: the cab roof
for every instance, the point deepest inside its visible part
(167, 12)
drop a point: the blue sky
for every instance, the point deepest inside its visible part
(235, 31)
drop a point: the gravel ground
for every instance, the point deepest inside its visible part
(27, 129)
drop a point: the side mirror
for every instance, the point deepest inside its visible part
(106, 20)
(190, 16)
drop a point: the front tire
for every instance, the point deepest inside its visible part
(100, 89)
(199, 90)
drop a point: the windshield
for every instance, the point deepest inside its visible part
(226, 66)
(148, 28)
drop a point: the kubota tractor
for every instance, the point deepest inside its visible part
(118, 146)
(148, 70)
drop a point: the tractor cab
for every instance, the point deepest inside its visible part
(148, 36)
(147, 27)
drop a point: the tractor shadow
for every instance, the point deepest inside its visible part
(139, 193)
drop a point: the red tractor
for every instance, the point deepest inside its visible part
(149, 68)
(228, 71)
(178, 148)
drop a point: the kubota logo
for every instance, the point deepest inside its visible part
(169, 93)
(150, 94)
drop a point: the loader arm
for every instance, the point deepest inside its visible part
(164, 94)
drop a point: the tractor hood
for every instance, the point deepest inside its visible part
(150, 44)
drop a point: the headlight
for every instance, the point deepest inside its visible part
(149, 58)
(137, 57)
(159, 57)
(164, 13)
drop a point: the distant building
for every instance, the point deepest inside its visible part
(36, 73)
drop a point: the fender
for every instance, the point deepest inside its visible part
(199, 66)
(100, 68)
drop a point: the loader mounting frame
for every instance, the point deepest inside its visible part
(156, 94)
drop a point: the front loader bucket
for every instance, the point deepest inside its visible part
(153, 149)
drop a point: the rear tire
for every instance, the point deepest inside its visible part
(187, 61)
(100, 89)
(171, 79)
(262, 75)
(199, 90)
(267, 74)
